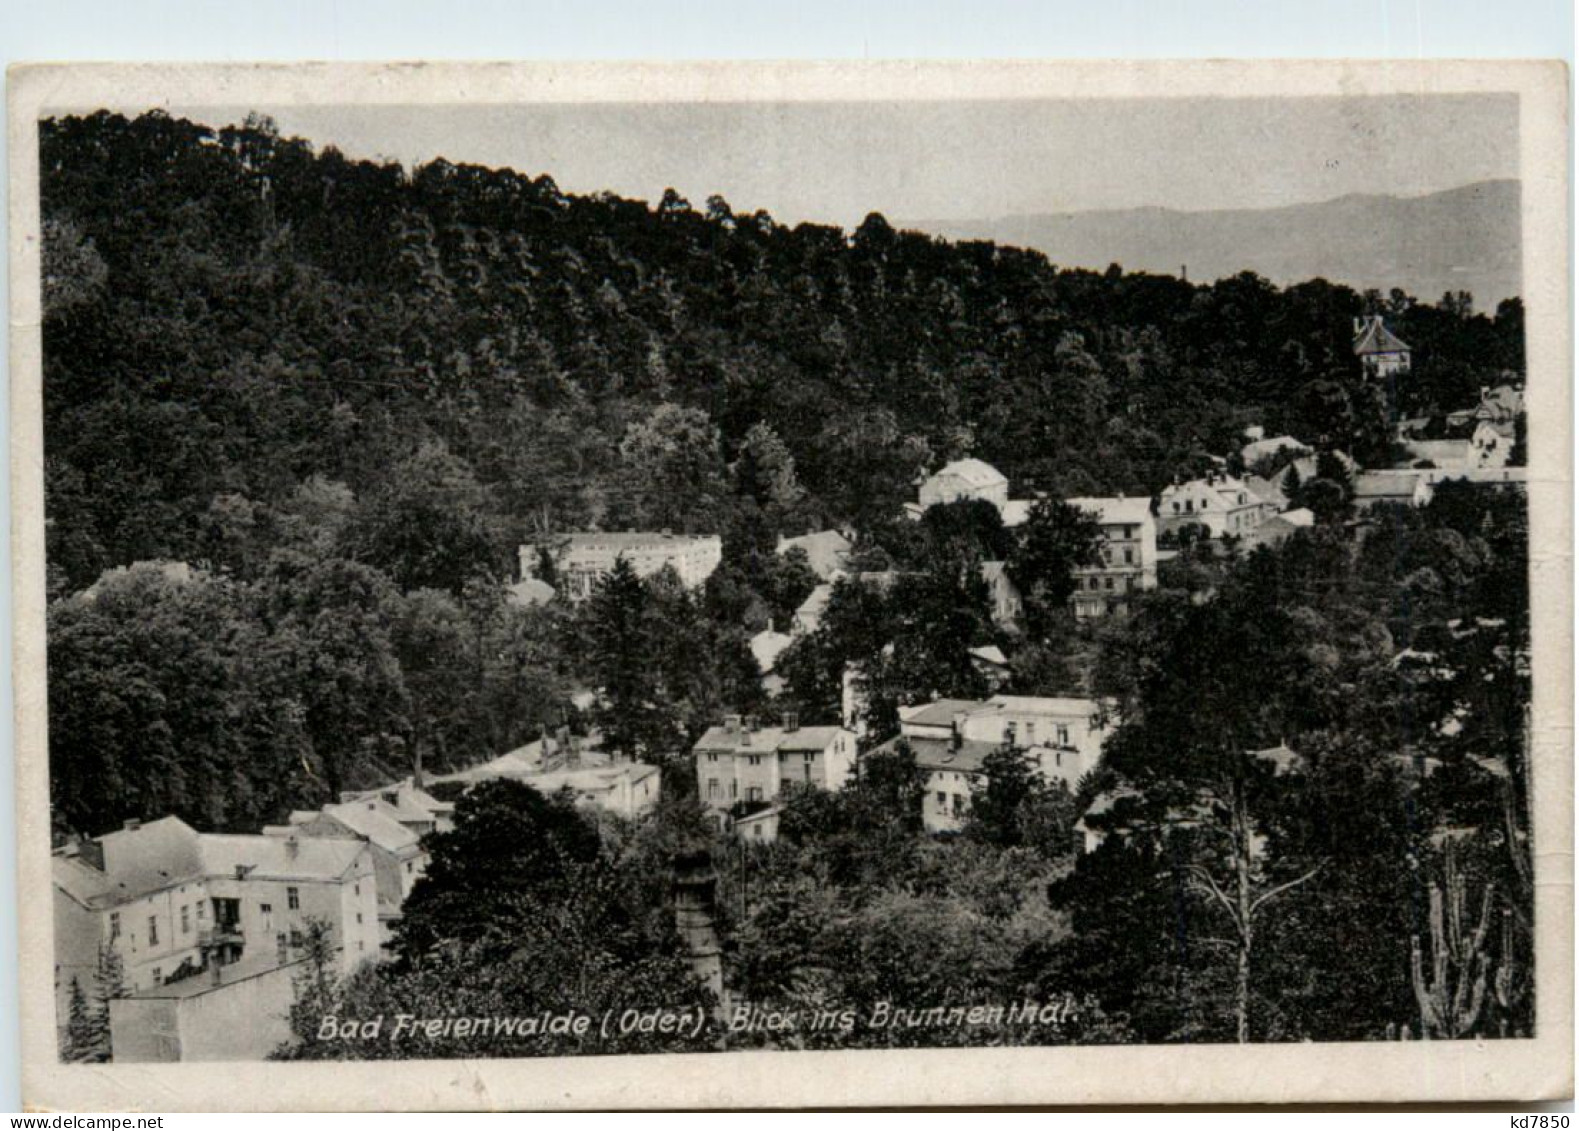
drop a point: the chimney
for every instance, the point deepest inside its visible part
(750, 723)
(416, 766)
(791, 721)
(132, 824)
(957, 730)
(731, 724)
(293, 844)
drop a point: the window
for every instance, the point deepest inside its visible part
(1129, 557)
(712, 787)
(806, 769)
(153, 930)
(734, 790)
(293, 898)
(409, 867)
(1030, 734)
(1175, 506)
(754, 759)
(753, 793)
(942, 800)
(296, 937)
(359, 918)
(158, 976)
(1063, 736)
(266, 908)
(809, 757)
(1108, 582)
(202, 911)
(186, 918)
(712, 757)
(360, 945)
(356, 889)
(756, 830)
(115, 925)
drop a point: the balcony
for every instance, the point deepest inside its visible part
(225, 934)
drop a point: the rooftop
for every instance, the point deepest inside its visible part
(1374, 337)
(1114, 509)
(376, 820)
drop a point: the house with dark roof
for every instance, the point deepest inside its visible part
(1381, 352)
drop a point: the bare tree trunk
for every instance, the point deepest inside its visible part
(1246, 933)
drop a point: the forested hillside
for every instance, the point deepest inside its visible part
(234, 319)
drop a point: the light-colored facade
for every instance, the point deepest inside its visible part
(173, 902)
(827, 551)
(584, 559)
(236, 1012)
(1061, 737)
(965, 479)
(1381, 352)
(766, 648)
(1224, 504)
(1129, 556)
(743, 762)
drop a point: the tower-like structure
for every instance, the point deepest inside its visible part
(695, 888)
(1381, 352)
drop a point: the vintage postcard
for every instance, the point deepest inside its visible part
(727, 585)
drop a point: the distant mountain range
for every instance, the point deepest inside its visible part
(1463, 239)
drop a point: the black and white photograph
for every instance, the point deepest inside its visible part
(611, 578)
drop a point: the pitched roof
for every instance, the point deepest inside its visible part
(1016, 512)
(767, 646)
(305, 858)
(825, 550)
(942, 754)
(1266, 490)
(378, 821)
(1040, 705)
(976, 472)
(635, 539)
(151, 857)
(939, 712)
(80, 880)
(1397, 483)
(765, 740)
(1110, 510)
(530, 591)
(1374, 337)
(991, 654)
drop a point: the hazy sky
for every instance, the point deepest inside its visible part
(835, 162)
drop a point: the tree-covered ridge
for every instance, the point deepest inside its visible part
(230, 315)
